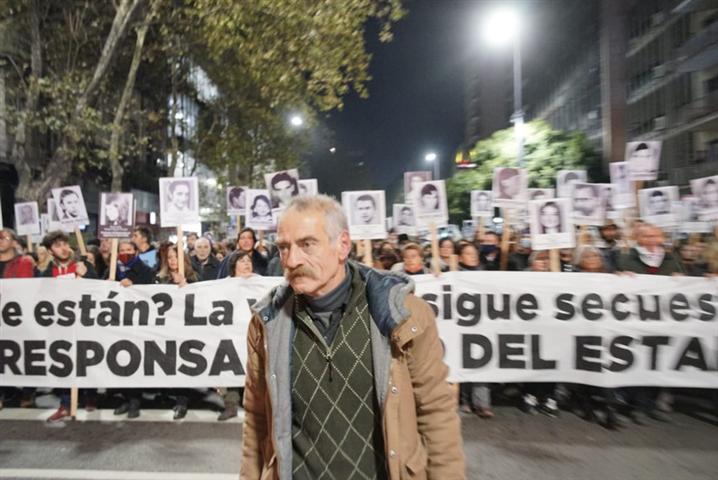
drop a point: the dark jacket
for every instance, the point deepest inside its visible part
(631, 262)
(207, 271)
(259, 264)
(139, 273)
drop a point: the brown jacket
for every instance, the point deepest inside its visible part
(422, 433)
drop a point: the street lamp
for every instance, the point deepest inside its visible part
(296, 120)
(500, 27)
(431, 157)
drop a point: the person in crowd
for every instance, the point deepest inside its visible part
(566, 258)
(203, 261)
(241, 265)
(191, 239)
(64, 265)
(13, 265)
(590, 259)
(142, 236)
(446, 250)
(468, 257)
(324, 295)
(609, 245)
(691, 261)
(95, 258)
(489, 252)
(247, 242)
(412, 261)
(519, 257)
(130, 270)
(649, 257)
(169, 274)
(43, 258)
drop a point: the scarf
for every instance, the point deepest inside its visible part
(652, 259)
(123, 269)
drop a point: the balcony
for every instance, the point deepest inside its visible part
(699, 52)
(697, 109)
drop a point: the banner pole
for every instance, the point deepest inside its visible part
(180, 250)
(482, 229)
(29, 244)
(113, 260)
(368, 260)
(505, 238)
(454, 263)
(435, 266)
(554, 260)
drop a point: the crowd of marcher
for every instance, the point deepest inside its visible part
(644, 249)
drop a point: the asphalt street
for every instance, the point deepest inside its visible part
(512, 446)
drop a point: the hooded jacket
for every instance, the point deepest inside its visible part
(422, 435)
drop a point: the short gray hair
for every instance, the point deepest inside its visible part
(583, 250)
(334, 217)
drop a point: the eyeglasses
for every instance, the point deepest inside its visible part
(5, 237)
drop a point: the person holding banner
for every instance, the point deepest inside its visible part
(142, 237)
(412, 261)
(203, 261)
(344, 348)
(65, 266)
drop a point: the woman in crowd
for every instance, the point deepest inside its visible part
(43, 258)
(446, 250)
(169, 274)
(468, 257)
(412, 261)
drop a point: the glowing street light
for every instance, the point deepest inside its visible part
(296, 120)
(432, 157)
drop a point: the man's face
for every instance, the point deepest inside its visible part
(550, 217)
(584, 201)
(311, 260)
(191, 239)
(61, 250)
(71, 205)
(180, 196)
(540, 263)
(126, 248)
(710, 194)
(659, 204)
(510, 186)
(650, 238)
(490, 239)
(137, 239)
(246, 242)
(482, 203)
(430, 201)
(201, 249)
(412, 260)
(6, 242)
(283, 190)
(406, 217)
(366, 210)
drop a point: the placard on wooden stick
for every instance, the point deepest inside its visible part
(180, 251)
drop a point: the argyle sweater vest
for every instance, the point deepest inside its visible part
(336, 419)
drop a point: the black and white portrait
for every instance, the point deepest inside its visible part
(282, 186)
(411, 184)
(308, 186)
(366, 211)
(53, 214)
(608, 196)
(540, 193)
(179, 201)
(259, 214)
(509, 186)
(705, 190)
(430, 205)
(643, 159)
(403, 215)
(624, 195)
(27, 218)
(236, 200)
(565, 180)
(482, 203)
(690, 216)
(116, 215)
(550, 224)
(588, 208)
(656, 205)
(71, 206)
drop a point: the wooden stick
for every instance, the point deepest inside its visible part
(583, 235)
(368, 261)
(554, 256)
(454, 262)
(482, 229)
(80, 242)
(239, 223)
(180, 250)
(29, 244)
(113, 259)
(505, 239)
(435, 266)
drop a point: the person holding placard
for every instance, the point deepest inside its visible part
(64, 265)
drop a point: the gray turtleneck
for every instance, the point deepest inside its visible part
(326, 311)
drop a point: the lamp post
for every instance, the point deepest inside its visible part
(431, 157)
(502, 26)
(296, 120)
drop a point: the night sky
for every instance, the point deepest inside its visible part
(416, 98)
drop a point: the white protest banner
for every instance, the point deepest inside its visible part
(100, 334)
(594, 329)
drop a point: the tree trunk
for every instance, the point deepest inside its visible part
(63, 157)
(117, 130)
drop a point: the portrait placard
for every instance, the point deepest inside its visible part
(482, 204)
(236, 200)
(551, 224)
(624, 195)
(365, 210)
(404, 221)
(259, 214)
(179, 201)
(308, 186)
(282, 186)
(70, 205)
(565, 179)
(27, 218)
(541, 193)
(690, 221)
(643, 159)
(430, 205)
(117, 215)
(509, 187)
(411, 184)
(705, 191)
(657, 205)
(588, 206)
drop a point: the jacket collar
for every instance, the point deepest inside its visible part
(385, 292)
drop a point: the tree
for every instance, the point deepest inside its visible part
(546, 151)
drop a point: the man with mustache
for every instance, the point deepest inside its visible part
(345, 377)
